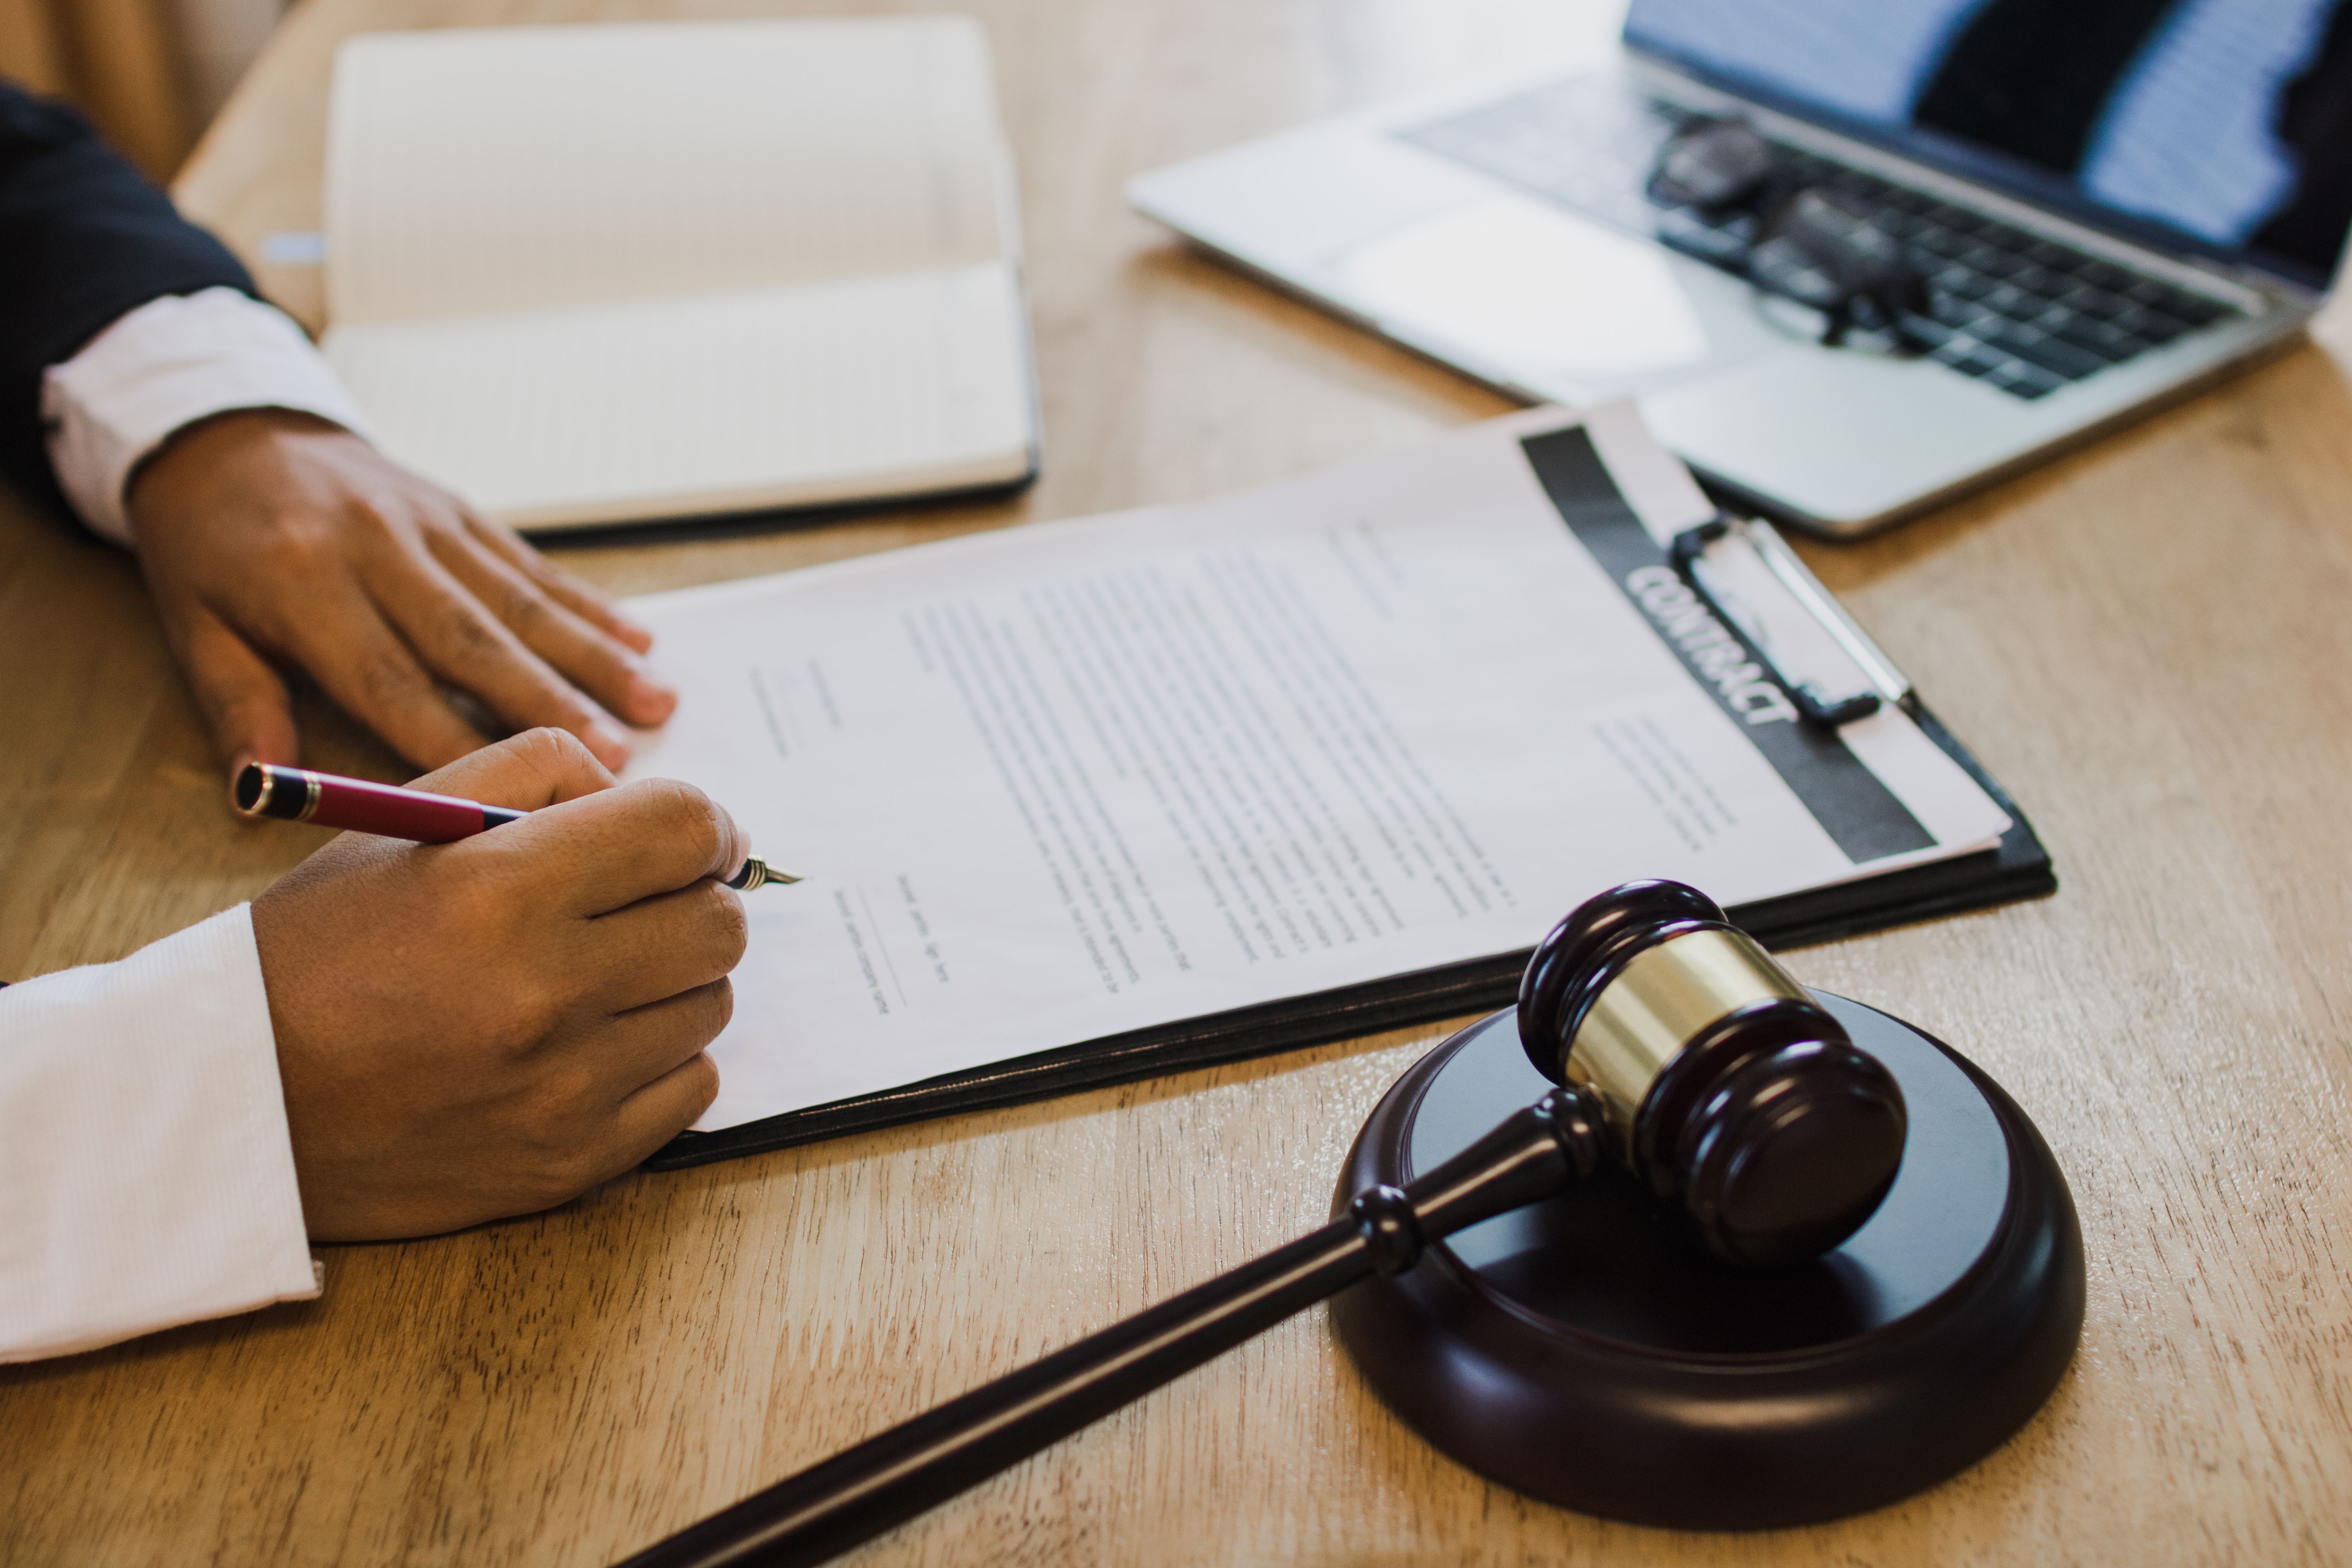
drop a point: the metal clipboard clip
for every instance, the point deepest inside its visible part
(1827, 697)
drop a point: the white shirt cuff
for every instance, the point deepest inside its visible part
(148, 1171)
(163, 366)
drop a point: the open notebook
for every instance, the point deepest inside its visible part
(590, 275)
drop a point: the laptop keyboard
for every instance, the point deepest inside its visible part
(2015, 309)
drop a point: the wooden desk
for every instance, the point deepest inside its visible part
(2151, 642)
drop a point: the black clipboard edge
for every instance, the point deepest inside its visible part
(2018, 867)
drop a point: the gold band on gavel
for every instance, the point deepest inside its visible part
(1666, 995)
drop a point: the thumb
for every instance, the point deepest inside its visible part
(523, 773)
(242, 700)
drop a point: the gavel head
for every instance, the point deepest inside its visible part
(1721, 1082)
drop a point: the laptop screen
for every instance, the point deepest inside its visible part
(2224, 122)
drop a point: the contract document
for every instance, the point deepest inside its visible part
(1073, 780)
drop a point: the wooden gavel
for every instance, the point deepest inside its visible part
(1683, 1049)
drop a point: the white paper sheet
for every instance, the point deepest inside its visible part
(1073, 779)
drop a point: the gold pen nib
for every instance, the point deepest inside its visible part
(757, 873)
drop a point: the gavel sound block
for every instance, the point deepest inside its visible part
(1665, 1296)
(1585, 1351)
(1589, 1350)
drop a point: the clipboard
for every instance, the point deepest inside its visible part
(1753, 625)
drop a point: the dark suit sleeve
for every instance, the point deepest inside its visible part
(83, 239)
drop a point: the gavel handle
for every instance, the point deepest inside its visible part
(888, 1479)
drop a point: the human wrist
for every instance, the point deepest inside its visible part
(200, 447)
(163, 368)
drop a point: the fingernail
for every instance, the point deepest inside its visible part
(608, 740)
(650, 697)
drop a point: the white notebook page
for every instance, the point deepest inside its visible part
(720, 402)
(480, 170)
(1068, 780)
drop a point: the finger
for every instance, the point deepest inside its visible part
(639, 1047)
(591, 658)
(664, 945)
(243, 701)
(607, 850)
(523, 773)
(559, 584)
(660, 1111)
(372, 674)
(470, 648)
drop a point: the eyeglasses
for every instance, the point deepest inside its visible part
(1789, 238)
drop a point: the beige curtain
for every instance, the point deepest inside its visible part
(147, 72)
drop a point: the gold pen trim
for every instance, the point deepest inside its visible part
(757, 873)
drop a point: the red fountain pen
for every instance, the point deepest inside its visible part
(264, 790)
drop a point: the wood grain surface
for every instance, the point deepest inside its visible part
(2150, 642)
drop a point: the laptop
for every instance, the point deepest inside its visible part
(2110, 202)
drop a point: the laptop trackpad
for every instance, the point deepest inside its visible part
(1535, 298)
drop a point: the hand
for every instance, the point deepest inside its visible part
(275, 536)
(490, 1028)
